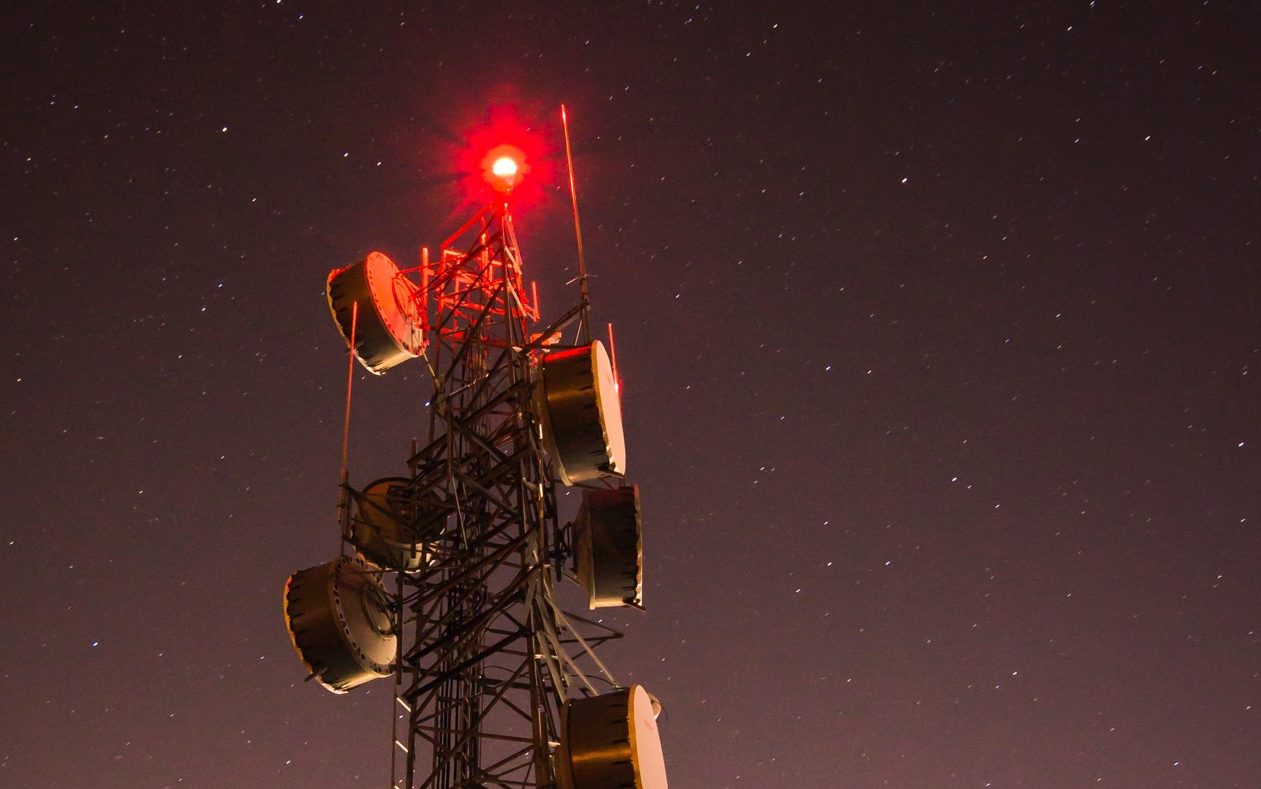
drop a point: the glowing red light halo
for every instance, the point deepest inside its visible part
(504, 133)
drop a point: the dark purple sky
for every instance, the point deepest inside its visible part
(939, 332)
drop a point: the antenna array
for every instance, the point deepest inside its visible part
(447, 574)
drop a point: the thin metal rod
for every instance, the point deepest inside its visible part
(573, 200)
(398, 679)
(617, 379)
(466, 226)
(350, 380)
(343, 478)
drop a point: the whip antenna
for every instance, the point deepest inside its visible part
(573, 200)
(343, 495)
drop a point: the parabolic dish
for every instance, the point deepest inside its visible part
(380, 530)
(339, 623)
(582, 414)
(611, 741)
(388, 330)
(608, 547)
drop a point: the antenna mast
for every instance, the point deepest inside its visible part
(452, 588)
(585, 320)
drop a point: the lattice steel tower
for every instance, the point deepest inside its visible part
(446, 576)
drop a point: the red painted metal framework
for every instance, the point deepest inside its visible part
(486, 655)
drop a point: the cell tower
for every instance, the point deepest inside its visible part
(446, 576)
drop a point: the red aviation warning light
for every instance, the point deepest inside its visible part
(506, 153)
(503, 167)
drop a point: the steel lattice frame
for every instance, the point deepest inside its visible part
(486, 655)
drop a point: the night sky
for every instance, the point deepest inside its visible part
(939, 334)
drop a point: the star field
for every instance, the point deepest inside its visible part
(938, 329)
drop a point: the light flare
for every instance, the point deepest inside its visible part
(503, 167)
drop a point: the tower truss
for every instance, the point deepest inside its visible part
(488, 658)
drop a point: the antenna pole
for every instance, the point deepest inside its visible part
(343, 496)
(573, 200)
